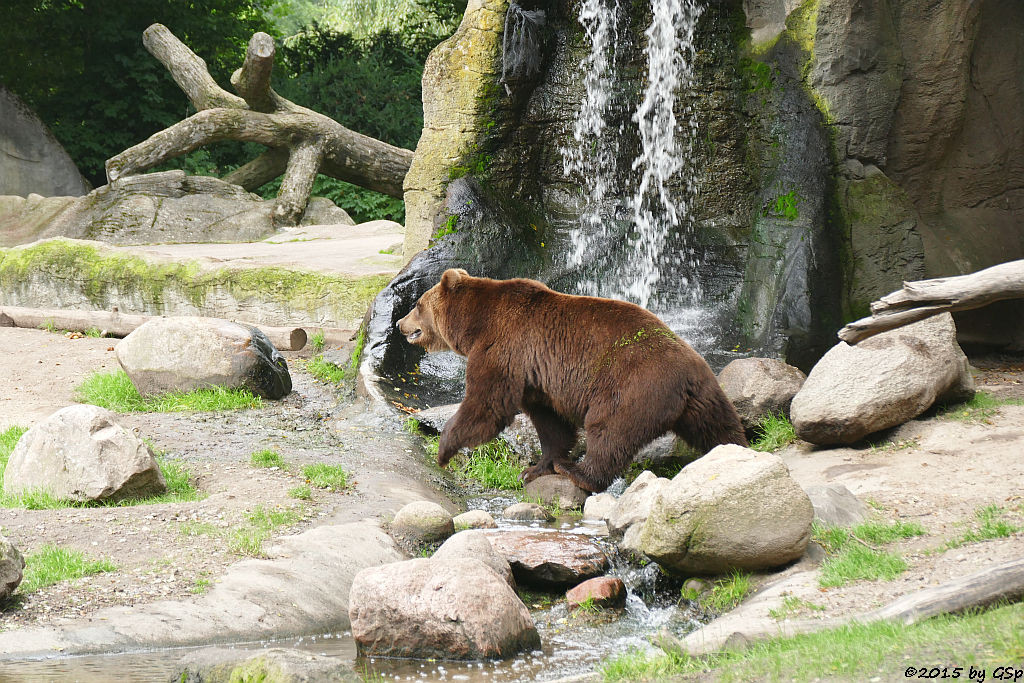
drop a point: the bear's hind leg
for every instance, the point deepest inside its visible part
(557, 437)
(710, 422)
(610, 449)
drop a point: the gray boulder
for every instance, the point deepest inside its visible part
(168, 207)
(187, 353)
(881, 382)
(80, 453)
(759, 386)
(33, 161)
(550, 558)
(634, 505)
(474, 519)
(474, 544)
(598, 507)
(835, 505)
(422, 522)
(281, 665)
(526, 512)
(554, 489)
(447, 609)
(12, 567)
(732, 509)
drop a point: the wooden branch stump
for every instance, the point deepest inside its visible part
(301, 142)
(924, 298)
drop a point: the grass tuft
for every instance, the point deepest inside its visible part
(52, 564)
(261, 522)
(773, 432)
(493, 464)
(302, 492)
(981, 408)
(115, 391)
(851, 560)
(266, 458)
(322, 476)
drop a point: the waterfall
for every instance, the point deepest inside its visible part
(661, 174)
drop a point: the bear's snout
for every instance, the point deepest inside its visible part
(411, 332)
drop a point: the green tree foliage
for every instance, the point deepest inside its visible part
(81, 65)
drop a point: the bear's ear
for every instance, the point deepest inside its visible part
(451, 277)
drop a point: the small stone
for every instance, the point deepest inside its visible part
(474, 519)
(526, 512)
(598, 508)
(556, 490)
(423, 522)
(602, 591)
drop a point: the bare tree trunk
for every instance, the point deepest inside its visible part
(923, 298)
(302, 142)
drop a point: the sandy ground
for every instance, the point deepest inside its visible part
(934, 471)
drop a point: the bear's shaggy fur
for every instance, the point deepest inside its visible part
(568, 361)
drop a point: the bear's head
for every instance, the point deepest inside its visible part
(426, 324)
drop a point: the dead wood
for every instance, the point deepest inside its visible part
(301, 142)
(924, 298)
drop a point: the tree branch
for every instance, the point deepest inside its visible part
(260, 170)
(188, 70)
(297, 182)
(252, 81)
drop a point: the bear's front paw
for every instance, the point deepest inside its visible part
(531, 473)
(444, 458)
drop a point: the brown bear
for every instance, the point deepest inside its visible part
(567, 361)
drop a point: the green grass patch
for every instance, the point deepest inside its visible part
(990, 523)
(726, 592)
(339, 374)
(323, 476)
(193, 528)
(850, 557)
(316, 342)
(493, 464)
(792, 606)
(266, 458)
(302, 492)
(8, 440)
(980, 409)
(115, 391)
(248, 540)
(52, 564)
(773, 432)
(857, 652)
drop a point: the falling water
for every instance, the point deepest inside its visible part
(662, 171)
(594, 153)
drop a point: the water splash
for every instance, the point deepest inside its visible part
(662, 170)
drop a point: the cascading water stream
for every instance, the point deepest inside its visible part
(635, 206)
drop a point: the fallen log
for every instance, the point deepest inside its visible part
(116, 324)
(924, 298)
(1002, 582)
(301, 141)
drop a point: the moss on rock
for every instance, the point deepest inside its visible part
(75, 273)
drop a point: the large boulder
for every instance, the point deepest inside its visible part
(549, 558)
(635, 503)
(80, 453)
(457, 608)
(186, 353)
(164, 207)
(733, 509)
(759, 387)
(474, 544)
(33, 162)
(881, 382)
(12, 567)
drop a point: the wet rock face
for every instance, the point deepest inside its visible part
(881, 382)
(552, 559)
(12, 566)
(80, 453)
(732, 509)
(186, 353)
(448, 609)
